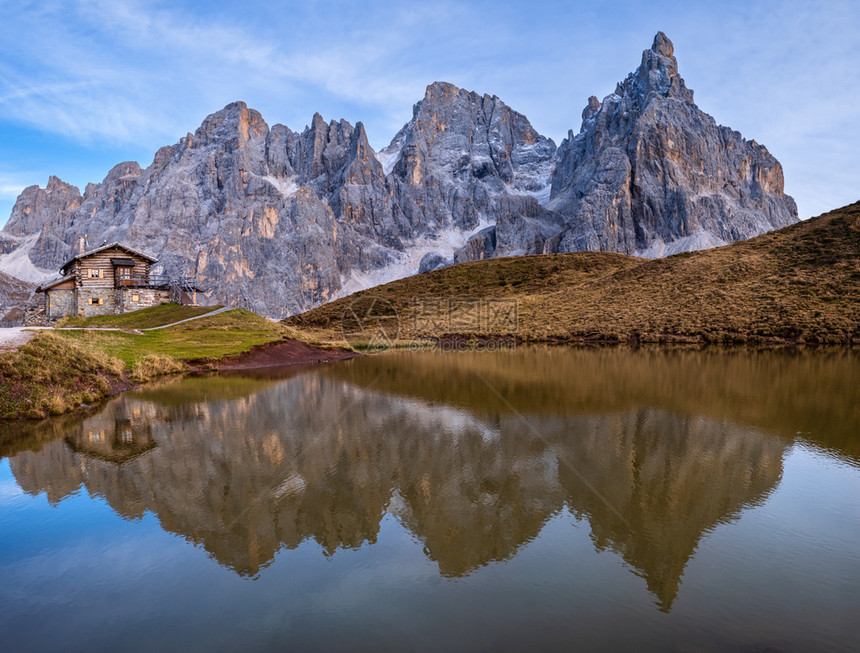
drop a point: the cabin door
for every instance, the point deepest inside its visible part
(123, 276)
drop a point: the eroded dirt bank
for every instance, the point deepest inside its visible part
(282, 352)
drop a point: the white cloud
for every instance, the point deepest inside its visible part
(11, 185)
(8, 191)
(141, 74)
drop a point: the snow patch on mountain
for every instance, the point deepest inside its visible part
(701, 239)
(18, 264)
(389, 157)
(445, 244)
(287, 187)
(541, 195)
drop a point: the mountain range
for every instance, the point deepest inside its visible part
(279, 221)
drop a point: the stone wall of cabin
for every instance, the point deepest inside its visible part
(59, 302)
(147, 297)
(109, 305)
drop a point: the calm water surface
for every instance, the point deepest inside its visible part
(542, 499)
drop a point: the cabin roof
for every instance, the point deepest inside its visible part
(46, 286)
(126, 248)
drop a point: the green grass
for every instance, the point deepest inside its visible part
(209, 338)
(143, 319)
(61, 369)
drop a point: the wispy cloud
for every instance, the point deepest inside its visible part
(140, 73)
(12, 183)
(133, 71)
(10, 191)
(11, 186)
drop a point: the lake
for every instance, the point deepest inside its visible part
(536, 499)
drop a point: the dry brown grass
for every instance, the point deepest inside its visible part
(152, 366)
(51, 375)
(798, 284)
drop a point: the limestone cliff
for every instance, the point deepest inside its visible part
(279, 221)
(651, 174)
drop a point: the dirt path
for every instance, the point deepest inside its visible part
(163, 326)
(14, 337)
(190, 319)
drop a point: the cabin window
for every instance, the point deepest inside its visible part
(135, 298)
(95, 274)
(96, 301)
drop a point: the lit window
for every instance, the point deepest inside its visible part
(135, 298)
(95, 274)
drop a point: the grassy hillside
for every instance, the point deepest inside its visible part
(60, 369)
(798, 284)
(50, 375)
(225, 334)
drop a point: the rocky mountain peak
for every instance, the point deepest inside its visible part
(234, 123)
(650, 173)
(590, 109)
(362, 166)
(317, 122)
(658, 73)
(125, 171)
(56, 184)
(440, 92)
(319, 154)
(662, 45)
(656, 76)
(37, 206)
(470, 136)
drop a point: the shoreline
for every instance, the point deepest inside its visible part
(278, 353)
(79, 381)
(274, 354)
(293, 352)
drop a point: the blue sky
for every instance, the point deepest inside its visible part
(85, 84)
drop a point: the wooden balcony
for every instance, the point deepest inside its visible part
(142, 281)
(162, 281)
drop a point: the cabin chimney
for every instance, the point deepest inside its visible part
(82, 244)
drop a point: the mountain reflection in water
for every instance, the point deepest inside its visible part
(653, 449)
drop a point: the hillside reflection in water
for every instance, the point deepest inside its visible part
(652, 450)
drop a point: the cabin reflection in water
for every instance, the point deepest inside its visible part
(114, 435)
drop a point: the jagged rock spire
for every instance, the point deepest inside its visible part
(649, 173)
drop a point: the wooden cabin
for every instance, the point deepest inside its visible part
(111, 280)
